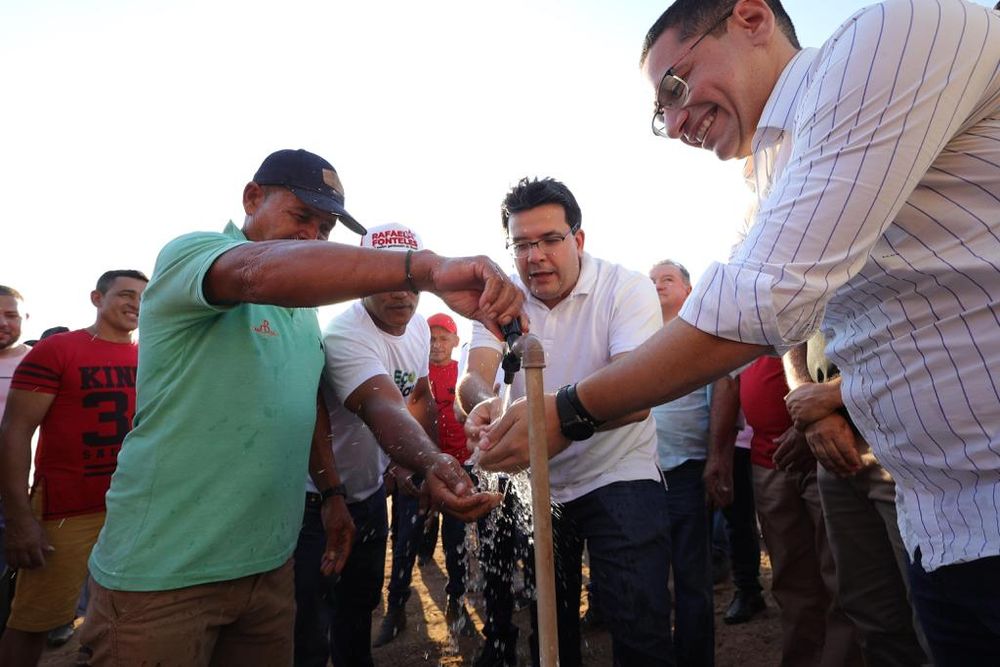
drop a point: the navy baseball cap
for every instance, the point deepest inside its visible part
(310, 178)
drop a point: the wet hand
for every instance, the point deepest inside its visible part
(481, 416)
(476, 288)
(448, 487)
(505, 442)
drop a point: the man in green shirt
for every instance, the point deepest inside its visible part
(193, 565)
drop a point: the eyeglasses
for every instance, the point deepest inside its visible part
(673, 91)
(547, 245)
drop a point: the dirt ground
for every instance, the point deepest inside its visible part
(428, 642)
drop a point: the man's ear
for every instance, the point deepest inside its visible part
(253, 195)
(755, 19)
(95, 298)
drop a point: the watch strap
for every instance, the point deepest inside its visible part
(574, 400)
(335, 490)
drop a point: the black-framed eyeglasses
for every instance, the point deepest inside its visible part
(673, 91)
(547, 245)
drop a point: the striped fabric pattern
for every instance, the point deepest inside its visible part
(877, 161)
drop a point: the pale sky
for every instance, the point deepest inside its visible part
(127, 123)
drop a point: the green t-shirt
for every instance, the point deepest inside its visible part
(209, 481)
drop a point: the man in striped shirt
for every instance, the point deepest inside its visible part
(877, 159)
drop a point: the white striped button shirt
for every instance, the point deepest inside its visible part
(879, 161)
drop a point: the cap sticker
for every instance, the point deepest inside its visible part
(394, 238)
(330, 178)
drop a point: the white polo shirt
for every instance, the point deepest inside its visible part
(356, 351)
(610, 310)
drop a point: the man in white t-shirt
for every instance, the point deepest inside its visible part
(376, 390)
(11, 352)
(607, 490)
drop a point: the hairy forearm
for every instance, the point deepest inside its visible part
(301, 274)
(796, 368)
(399, 434)
(424, 410)
(473, 390)
(722, 417)
(674, 362)
(322, 467)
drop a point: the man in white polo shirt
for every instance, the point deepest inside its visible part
(608, 492)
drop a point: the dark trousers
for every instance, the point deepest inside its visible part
(691, 562)
(333, 616)
(959, 609)
(741, 526)
(407, 534)
(863, 534)
(626, 528)
(502, 543)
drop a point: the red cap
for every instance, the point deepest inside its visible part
(443, 321)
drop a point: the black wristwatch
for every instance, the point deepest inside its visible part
(574, 420)
(336, 490)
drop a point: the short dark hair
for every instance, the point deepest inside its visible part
(108, 277)
(10, 291)
(533, 192)
(693, 17)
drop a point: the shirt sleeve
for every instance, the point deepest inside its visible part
(635, 313)
(351, 359)
(481, 337)
(890, 89)
(176, 287)
(40, 370)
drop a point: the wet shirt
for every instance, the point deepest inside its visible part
(207, 482)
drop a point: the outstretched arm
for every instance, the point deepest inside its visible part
(380, 405)
(674, 362)
(313, 273)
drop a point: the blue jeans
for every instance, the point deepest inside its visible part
(407, 533)
(333, 617)
(959, 609)
(626, 528)
(694, 613)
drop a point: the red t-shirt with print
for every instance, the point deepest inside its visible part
(93, 381)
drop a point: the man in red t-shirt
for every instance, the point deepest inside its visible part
(79, 387)
(408, 525)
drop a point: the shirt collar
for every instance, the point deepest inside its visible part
(584, 282)
(778, 114)
(234, 231)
